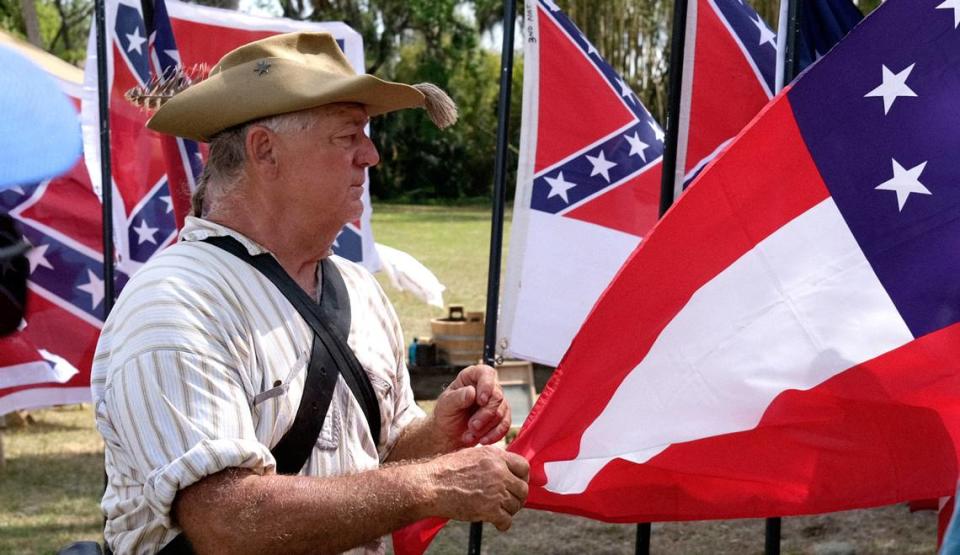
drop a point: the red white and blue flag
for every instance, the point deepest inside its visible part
(144, 163)
(48, 361)
(729, 65)
(589, 176)
(587, 187)
(786, 340)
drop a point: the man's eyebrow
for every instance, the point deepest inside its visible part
(352, 122)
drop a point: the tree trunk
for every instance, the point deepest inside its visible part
(31, 23)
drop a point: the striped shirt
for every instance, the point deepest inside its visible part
(201, 366)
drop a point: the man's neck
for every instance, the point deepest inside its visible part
(298, 250)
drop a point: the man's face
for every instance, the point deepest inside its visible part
(322, 169)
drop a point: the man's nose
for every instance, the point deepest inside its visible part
(368, 155)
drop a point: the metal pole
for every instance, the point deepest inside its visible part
(771, 544)
(106, 180)
(791, 64)
(496, 228)
(643, 538)
(677, 45)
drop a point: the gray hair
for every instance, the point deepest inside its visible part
(228, 154)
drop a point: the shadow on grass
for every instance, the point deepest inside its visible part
(52, 482)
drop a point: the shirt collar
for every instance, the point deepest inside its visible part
(198, 229)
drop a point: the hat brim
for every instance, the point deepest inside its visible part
(242, 94)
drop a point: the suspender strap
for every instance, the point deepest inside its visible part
(334, 307)
(330, 357)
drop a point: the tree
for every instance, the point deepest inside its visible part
(61, 25)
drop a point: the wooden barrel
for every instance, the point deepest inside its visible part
(458, 337)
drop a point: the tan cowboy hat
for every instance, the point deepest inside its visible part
(277, 75)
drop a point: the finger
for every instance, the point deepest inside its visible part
(490, 413)
(503, 520)
(488, 390)
(485, 420)
(467, 376)
(518, 490)
(496, 433)
(464, 397)
(517, 465)
(455, 401)
(482, 420)
(511, 504)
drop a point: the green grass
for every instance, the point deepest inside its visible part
(453, 242)
(51, 484)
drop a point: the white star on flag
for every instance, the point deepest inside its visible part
(136, 41)
(637, 146)
(601, 165)
(591, 49)
(657, 132)
(955, 6)
(94, 287)
(168, 200)
(559, 187)
(550, 4)
(766, 35)
(18, 189)
(624, 89)
(145, 233)
(37, 256)
(905, 182)
(893, 87)
(174, 54)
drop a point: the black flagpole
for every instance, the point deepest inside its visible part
(106, 180)
(677, 45)
(772, 533)
(669, 168)
(496, 228)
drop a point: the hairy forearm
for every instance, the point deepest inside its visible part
(421, 439)
(237, 511)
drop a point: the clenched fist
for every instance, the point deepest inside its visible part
(472, 409)
(479, 484)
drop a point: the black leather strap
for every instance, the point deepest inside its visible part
(334, 306)
(330, 357)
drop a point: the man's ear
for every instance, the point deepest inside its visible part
(261, 150)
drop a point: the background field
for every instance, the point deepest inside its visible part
(51, 484)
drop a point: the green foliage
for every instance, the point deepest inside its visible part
(435, 41)
(421, 163)
(64, 25)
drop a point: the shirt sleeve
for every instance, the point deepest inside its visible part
(178, 418)
(405, 410)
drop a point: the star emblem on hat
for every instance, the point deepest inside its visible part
(263, 66)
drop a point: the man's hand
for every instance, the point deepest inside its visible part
(472, 409)
(479, 484)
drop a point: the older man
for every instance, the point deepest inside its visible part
(203, 367)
